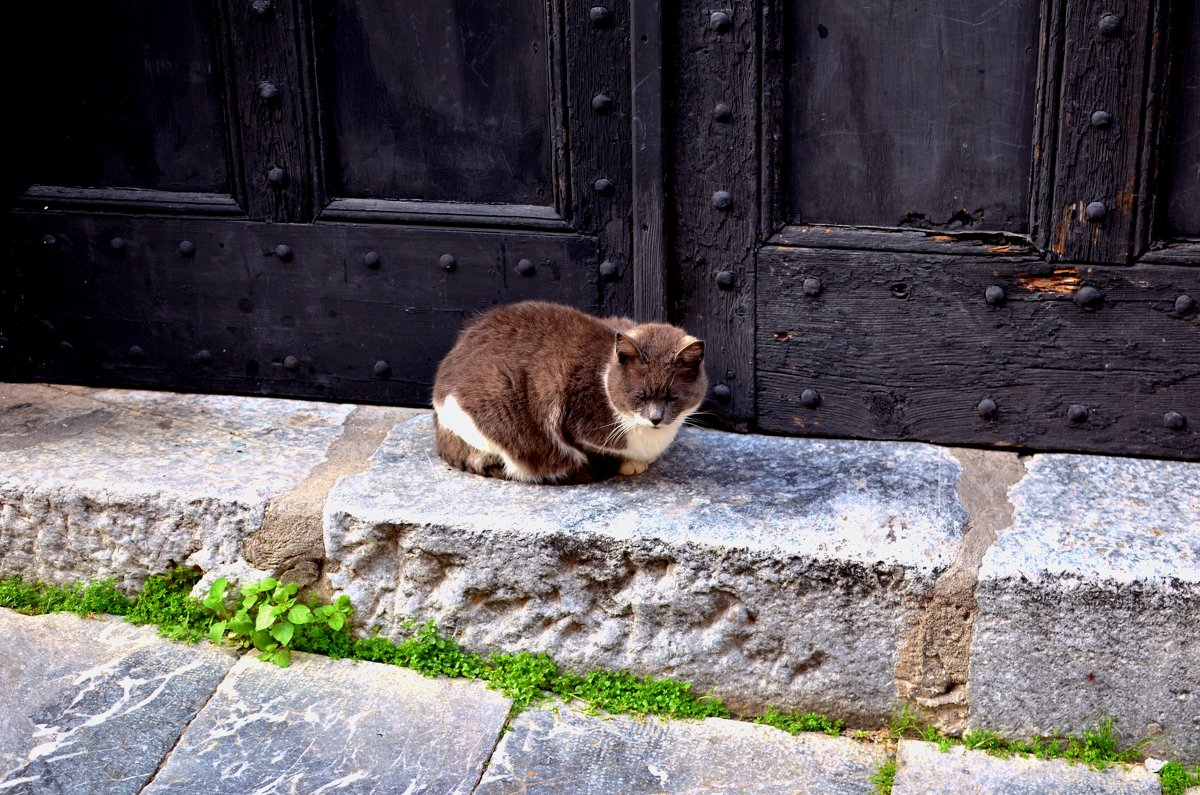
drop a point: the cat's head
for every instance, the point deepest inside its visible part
(656, 374)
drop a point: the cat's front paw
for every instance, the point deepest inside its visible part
(633, 467)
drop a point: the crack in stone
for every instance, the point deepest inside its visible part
(932, 669)
(291, 539)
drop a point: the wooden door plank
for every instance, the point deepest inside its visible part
(906, 346)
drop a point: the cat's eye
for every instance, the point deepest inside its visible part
(640, 396)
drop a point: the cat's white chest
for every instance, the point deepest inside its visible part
(644, 443)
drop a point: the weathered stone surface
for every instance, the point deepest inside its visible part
(1090, 604)
(326, 725)
(765, 570)
(111, 483)
(922, 769)
(93, 705)
(560, 751)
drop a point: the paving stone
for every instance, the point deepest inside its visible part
(764, 570)
(93, 705)
(325, 725)
(124, 484)
(558, 750)
(1090, 604)
(923, 769)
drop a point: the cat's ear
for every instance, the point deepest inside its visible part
(691, 354)
(627, 349)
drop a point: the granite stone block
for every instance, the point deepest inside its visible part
(768, 571)
(94, 705)
(1089, 605)
(325, 725)
(561, 751)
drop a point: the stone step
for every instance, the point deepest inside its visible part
(990, 591)
(99, 706)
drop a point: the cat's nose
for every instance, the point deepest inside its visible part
(655, 415)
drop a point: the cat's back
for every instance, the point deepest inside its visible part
(502, 342)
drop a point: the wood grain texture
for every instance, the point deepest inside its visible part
(649, 200)
(436, 101)
(1102, 71)
(272, 133)
(131, 100)
(250, 309)
(905, 346)
(914, 115)
(596, 60)
(716, 67)
(921, 241)
(1047, 93)
(1180, 216)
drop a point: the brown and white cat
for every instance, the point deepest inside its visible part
(544, 393)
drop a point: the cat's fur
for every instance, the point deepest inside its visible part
(543, 393)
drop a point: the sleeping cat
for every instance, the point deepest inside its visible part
(544, 393)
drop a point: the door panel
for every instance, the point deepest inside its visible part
(436, 101)
(911, 115)
(1182, 212)
(130, 100)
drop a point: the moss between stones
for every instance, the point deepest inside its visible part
(526, 678)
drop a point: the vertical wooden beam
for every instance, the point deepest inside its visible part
(649, 206)
(1103, 135)
(271, 122)
(597, 107)
(714, 190)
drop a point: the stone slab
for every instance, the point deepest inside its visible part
(765, 570)
(559, 750)
(923, 769)
(94, 705)
(124, 484)
(1089, 605)
(325, 725)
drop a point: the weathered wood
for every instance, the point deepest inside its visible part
(437, 101)
(101, 99)
(649, 203)
(913, 116)
(1180, 216)
(128, 200)
(714, 246)
(273, 132)
(913, 240)
(905, 346)
(1107, 56)
(511, 216)
(597, 63)
(1046, 119)
(1181, 253)
(236, 298)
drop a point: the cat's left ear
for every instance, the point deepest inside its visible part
(691, 354)
(627, 349)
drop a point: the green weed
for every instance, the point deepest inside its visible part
(266, 616)
(796, 722)
(32, 599)
(1176, 779)
(885, 777)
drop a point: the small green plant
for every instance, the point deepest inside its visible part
(1176, 779)
(796, 722)
(165, 603)
(885, 777)
(266, 617)
(904, 722)
(931, 735)
(33, 599)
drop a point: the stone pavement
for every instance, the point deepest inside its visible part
(987, 590)
(99, 706)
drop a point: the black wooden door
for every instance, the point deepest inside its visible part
(971, 223)
(304, 198)
(940, 220)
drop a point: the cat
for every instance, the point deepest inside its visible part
(543, 393)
